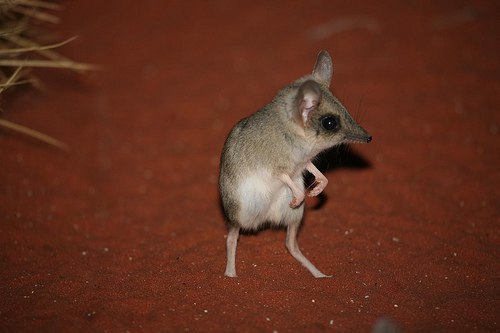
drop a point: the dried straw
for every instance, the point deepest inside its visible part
(19, 52)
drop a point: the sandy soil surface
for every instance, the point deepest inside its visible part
(125, 233)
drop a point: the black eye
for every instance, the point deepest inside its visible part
(329, 123)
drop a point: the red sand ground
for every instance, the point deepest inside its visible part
(125, 233)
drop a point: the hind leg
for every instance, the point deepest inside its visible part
(231, 243)
(293, 247)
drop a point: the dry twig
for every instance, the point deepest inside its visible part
(18, 52)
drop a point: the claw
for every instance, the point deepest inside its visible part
(317, 187)
(295, 202)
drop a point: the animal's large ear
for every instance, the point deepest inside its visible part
(308, 99)
(323, 69)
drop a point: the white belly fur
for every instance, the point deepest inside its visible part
(265, 198)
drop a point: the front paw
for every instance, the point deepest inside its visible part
(296, 202)
(318, 187)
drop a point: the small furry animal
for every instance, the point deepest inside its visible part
(265, 155)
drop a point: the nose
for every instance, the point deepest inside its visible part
(368, 139)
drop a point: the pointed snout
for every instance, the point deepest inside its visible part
(358, 135)
(361, 139)
(355, 133)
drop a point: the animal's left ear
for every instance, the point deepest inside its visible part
(308, 99)
(323, 69)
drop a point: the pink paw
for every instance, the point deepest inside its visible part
(318, 187)
(296, 202)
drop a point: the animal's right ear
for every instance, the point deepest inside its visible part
(307, 101)
(323, 69)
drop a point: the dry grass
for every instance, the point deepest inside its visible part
(20, 52)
